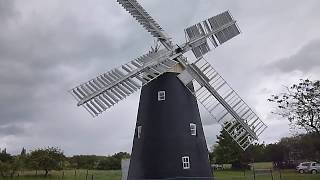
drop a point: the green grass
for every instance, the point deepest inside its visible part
(263, 165)
(69, 175)
(116, 175)
(286, 175)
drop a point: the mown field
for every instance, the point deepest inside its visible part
(69, 175)
(286, 175)
(116, 175)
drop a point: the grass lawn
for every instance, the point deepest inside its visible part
(263, 165)
(116, 175)
(286, 175)
(69, 175)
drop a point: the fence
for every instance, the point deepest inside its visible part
(66, 175)
(254, 174)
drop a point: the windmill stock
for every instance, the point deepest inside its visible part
(168, 123)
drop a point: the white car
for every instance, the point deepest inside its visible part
(305, 167)
(314, 168)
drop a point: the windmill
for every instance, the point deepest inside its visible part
(169, 142)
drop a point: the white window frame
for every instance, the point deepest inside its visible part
(193, 129)
(139, 129)
(186, 162)
(161, 95)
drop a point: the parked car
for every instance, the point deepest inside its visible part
(314, 168)
(305, 167)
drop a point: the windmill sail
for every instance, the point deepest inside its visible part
(141, 15)
(223, 103)
(104, 91)
(210, 89)
(217, 29)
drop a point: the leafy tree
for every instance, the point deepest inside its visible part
(5, 161)
(9, 165)
(23, 152)
(255, 153)
(300, 104)
(275, 152)
(85, 161)
(226, 150)
(112, 162)
(23, 158)
(47, 159)
(307, 146)
(98, 162)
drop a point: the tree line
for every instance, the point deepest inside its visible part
(53, 158)
(286, 153)
(300, 105)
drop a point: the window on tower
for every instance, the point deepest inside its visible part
(161, 95)
(186, 162)
(193, 129)
(139, 131)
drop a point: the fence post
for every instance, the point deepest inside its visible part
(75, 174)
(62, 177)
(271, 174)
(91, 176)
(254, 173)
(87, 175)
(280, 174)
(213, 174)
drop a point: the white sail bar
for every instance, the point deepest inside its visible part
(218, 29)
(223, 103)
(140, 14)
(104, 91)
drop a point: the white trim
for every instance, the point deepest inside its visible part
(139, 131)
(193, 129)
(161, 95)
(186, 162)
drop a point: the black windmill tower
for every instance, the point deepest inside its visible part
(169, 141)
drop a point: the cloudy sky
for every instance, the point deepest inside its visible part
(48, 47)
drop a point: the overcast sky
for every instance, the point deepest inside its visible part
(48, 47)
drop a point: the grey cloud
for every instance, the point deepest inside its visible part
(306, 59)
(35, 57)
(47, 47)
(7, 10)
(11, 130)
(39, 61)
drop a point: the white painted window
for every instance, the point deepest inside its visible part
(193, 129)
(161, 95)
(139, 131)
(185, 162)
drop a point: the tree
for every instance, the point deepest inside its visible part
(112, 162)
(5, 161)
(226, 150)
(8, 164)
(85, 161)
(47, 159)
(23, 152)
(300, 104)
